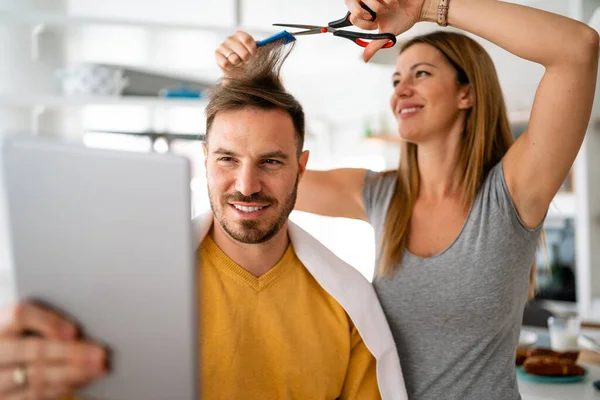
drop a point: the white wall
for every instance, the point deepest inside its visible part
(348, 90)
(27, 65)
(167, 11)
(23, 70)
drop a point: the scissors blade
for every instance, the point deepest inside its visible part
(299, 26)
(309, 32)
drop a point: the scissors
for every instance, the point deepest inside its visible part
(357, 37)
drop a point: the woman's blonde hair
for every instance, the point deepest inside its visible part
(486, 138)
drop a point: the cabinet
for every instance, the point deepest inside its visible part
(48, 41)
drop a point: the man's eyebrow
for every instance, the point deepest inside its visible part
(275, 154)
(272, 154)
(224, 152)
(413, 67)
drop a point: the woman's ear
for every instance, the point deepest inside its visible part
(466, 97)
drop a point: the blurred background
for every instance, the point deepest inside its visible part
(132, 75)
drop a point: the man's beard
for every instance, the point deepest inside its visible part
(249, 231)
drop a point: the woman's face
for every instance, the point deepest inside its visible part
(427, 100)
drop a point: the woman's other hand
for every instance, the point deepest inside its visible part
(236, 49)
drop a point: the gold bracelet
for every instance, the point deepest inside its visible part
(442, 13)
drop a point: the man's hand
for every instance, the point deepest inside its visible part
(49, 364)
(234, 50)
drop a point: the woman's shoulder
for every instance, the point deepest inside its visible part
(495, 196)
(493, 178)
(380, 184)
(378, 189)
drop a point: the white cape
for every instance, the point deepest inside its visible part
(354, 293)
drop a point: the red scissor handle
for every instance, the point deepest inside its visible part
(363, 43)
(359, 37)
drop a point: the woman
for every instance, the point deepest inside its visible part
(458, 222)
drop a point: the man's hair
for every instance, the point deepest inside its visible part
(257, 85)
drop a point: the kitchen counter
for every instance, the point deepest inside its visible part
(583, 390)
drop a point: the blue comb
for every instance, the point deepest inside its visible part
(283, 35)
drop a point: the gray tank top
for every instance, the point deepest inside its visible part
(456, 316)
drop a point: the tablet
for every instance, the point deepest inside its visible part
(105, 237)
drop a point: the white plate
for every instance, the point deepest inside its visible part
(527, 338)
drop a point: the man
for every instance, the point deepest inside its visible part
(282, 316)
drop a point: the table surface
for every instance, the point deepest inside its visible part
(583, 390)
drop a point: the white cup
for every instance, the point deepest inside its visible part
(564, 332)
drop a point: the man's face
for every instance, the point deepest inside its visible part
(252, 170)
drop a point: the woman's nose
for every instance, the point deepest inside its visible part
(403, 89)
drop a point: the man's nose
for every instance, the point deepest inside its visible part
(247, 181)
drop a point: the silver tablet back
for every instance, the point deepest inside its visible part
(105, 237)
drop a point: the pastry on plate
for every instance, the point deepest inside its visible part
(521, 355)
(551, 366)
(540, 351)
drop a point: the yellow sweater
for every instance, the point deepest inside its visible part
(280, 336)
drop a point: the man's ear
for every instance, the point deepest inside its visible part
(466, 97)
(302, 161)
(205, 150)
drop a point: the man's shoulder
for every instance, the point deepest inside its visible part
(320, 261)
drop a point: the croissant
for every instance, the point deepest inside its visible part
(551, 366)
(539, 351)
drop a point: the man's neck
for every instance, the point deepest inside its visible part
(258, 259)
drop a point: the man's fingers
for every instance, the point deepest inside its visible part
(23, 317)
(19, 394)
(7, 380)
(55, 393)
(54, 377)
(42, 377)
(32, 350)
(29, 350)
(51, 393)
